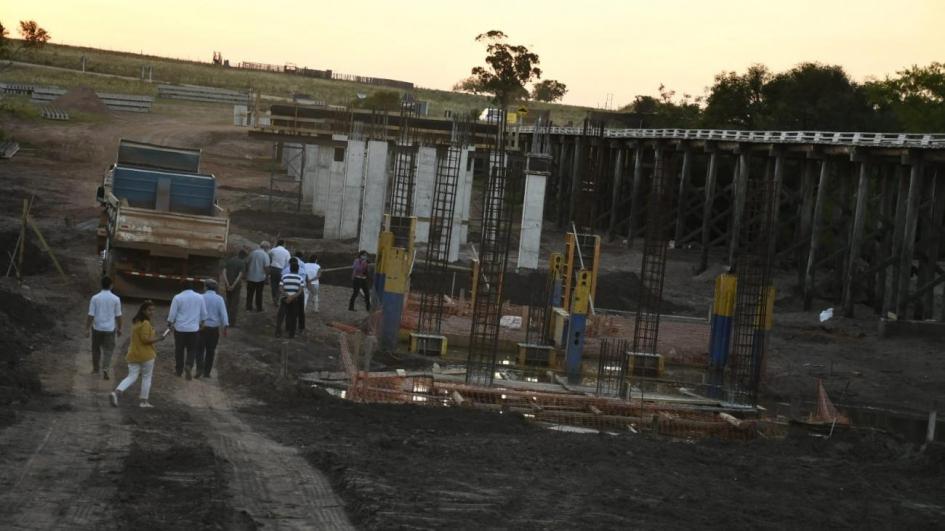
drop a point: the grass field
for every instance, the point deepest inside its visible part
(165, 70)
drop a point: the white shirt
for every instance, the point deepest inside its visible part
(216, 310)
(104, 307)
(188, 310)
(311, 272)
(279, 257)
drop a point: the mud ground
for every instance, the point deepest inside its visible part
(249, 449)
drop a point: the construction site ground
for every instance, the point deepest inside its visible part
(249, 449)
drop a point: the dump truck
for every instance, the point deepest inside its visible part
(160, 226)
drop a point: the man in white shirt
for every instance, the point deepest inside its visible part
(216, 323)
(257, 270)
(186, 316)
(104, 322)
(312, 272)
(278, 260)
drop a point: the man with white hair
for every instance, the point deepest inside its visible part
(257, 272)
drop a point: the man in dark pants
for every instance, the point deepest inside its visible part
(278, 260)
(359, 281)
(257, 271)
(216, 323)
(234, 269)
(186, 316)
(290, 298)
(104, 322)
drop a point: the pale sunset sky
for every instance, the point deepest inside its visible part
(596, 47)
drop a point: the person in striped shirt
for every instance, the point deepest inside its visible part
(290, 299)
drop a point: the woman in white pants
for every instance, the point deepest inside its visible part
(312, 272)
(141, 355)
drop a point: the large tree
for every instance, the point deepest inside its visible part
(509, 68)
(549, 90)
(736, 101)
(3, 35)
(33, 35)
(812, 96)
(914, 100)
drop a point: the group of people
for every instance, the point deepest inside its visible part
(293, 283)
(198, 319)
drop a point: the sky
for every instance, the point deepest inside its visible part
(605, 51)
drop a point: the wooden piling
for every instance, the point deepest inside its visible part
(615, 197)
(576, 169)
(636, 202)
(709, 191)
(856, 238)
(739, 192)
(683, 194)
(817, 221)
(908, 236)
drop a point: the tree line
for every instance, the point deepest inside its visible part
(810, 96)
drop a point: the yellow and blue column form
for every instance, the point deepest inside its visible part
(384, 243)
(577, 326)
(396, 270)
(720, 334)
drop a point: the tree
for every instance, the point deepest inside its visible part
(914, 100)
(3, 35)
(549, 90)
(509, 68)
(33, 35)
(664, 111)
(380, 100)
(470, 85)
(812, 96)
(736, 101)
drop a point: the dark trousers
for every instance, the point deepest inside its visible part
(293, 313)
(207, 349)
(360, 284)
(275, 277)
(233, 303)
(254, 291)
(102, 343)
(185, 341)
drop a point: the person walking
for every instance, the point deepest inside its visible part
(257, 270)
(234, 269)
(103, 323)
(186, 316)
(359, 280)
(312, 273)
(216, 323)
(278, 260)
(305, 283)
(140, 356)
(290, 298)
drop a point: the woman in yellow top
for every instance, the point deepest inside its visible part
(141, 355)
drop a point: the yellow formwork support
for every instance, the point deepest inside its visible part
(384, 242)
(567, 269)
(396, 270)
(582, 293)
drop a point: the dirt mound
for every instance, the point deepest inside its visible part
(285, 225)
(81, 99)
(35, 260)
(23, 324)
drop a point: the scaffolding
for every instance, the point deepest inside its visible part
(400, 200)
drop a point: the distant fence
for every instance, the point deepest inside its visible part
(326, 74)
(205, 94)
(114, 102)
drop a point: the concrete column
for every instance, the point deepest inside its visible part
(529, 247)
(423, 191)
(323, 166)
(309, 174)
(461, 217)
(373, 195)
(344, 194)
(292, 156)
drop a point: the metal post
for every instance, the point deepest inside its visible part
(683, 193)
(816, 228)
(856, 239)
(615, 199)
(707, 210)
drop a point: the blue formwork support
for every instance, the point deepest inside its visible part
(379, 279)
(577, 325)
(393, 304)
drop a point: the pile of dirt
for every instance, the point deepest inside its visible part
(81, 99)
(35, 260)
(23, 324)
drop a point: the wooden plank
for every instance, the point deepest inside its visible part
(908, 236)
(615, 199)
(817, 221)
(739, 193)
(683, 194)
(636, 202)
(856, 238)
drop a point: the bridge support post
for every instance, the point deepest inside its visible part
(636, 202)
(576, 168)
(908, 235)
(856, 238)
(615, 198)
(681, 209)
(817, 222)
(709, 191)
(739, 196)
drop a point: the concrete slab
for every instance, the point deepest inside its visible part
(423, 191)
(529, 246)
(323, 170)
(309, 173)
